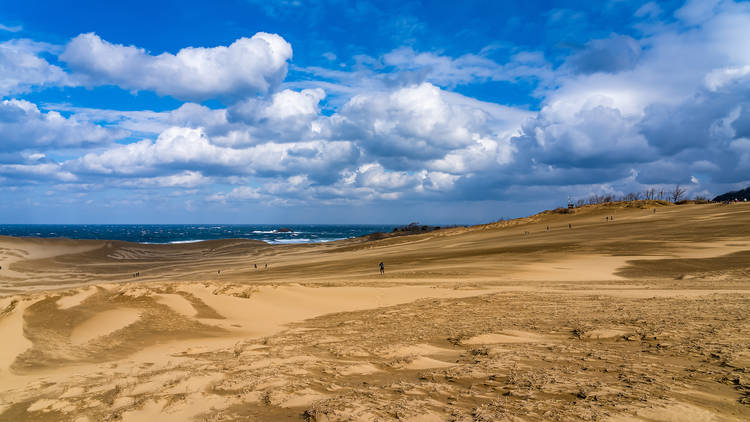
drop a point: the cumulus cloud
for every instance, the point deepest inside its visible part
(24, 127)
(593, 137)
(21, 67)
(669, 105)
(286, 116)
(248, 66)
(146, 123)
(414, 124)
(677, 102)
(185, 149)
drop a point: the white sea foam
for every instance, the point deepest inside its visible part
(275, 241)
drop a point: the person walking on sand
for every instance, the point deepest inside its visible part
(382, 267)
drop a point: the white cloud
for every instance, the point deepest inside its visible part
(669, 107)
(21, 68)
(719, 78)
(421, 123)
(151, 123)
(594, 136)
(287, 116)
(23, 126)
(655, 114)
(242, 193)
(248, 66)
(37, 171)
(191, 149)
(373, 175)
(15, 28)
(184, 179)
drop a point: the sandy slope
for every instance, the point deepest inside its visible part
(638, 319)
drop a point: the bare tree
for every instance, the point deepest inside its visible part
(661, 194)
(632, 196)
(677, 193)
(649, 194)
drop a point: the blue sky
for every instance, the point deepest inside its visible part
(363, 112)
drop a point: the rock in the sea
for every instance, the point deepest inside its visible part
(285, 230)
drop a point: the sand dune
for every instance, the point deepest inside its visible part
(103, 323)
(642, 318)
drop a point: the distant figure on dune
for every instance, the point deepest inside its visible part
(548, 229)
(382, 267)
(654, 210)
(266, 266)
(606, 218)
(570, 226)
(218, 273)
(255, 266)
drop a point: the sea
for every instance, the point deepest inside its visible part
(187, 233)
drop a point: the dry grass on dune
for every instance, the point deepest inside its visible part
(639, 318)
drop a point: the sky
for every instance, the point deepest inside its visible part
(333, 111)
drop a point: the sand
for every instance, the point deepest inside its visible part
(103, 323)
(509, 336)
(642, 318)
(11, 333)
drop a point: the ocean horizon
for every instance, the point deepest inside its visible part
(188, 233)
